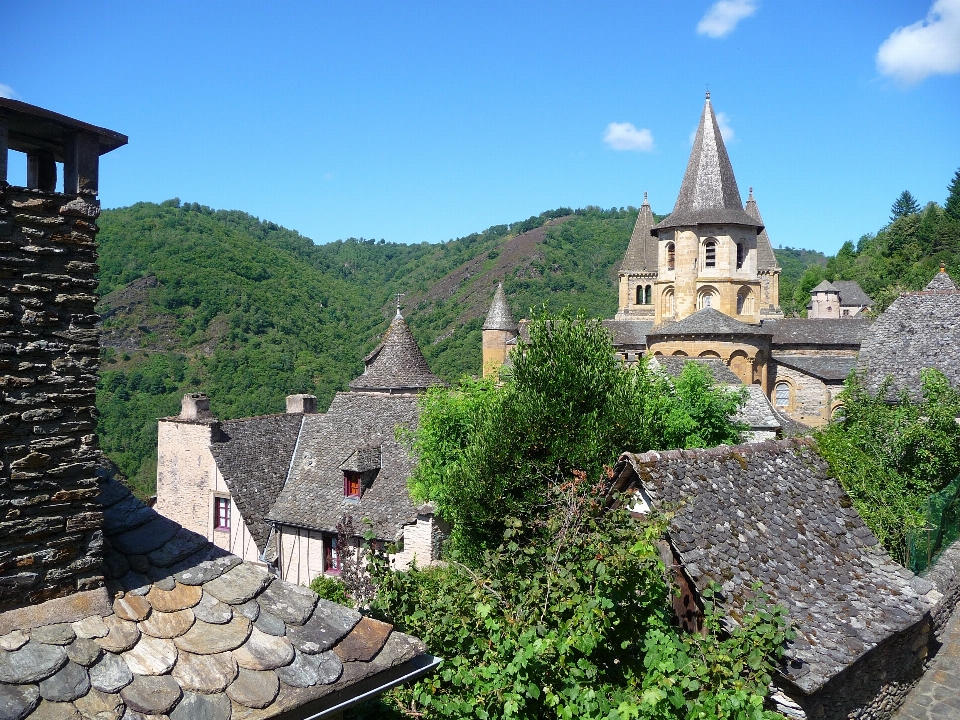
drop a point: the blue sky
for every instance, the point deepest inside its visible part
(430, 120)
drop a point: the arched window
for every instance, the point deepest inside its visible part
(781, 394)
(707, 297)
(710, 254)
(671, 256)
(745, 301)
(741, 256)
(668, 308)
(649, 295)
(639, 295)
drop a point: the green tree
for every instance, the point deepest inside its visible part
(904, 205)
(952, 206)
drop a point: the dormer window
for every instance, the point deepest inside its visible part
(351, 484)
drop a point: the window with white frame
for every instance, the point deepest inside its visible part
(221, 514)
(782, 394)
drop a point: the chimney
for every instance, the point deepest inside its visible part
(306, 404)
(195, 406)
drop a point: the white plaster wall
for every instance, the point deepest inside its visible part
(300, 554)
(185, 474)
(238, 541)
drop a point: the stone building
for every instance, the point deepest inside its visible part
(705, 283)
(273, 488)
(108, 609)
(838, 299)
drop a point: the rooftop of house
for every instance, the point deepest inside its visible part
(830, 368)
(770, 513)
(185, 630)
(397, 364)
(313, 496)
(851, 294)
(919, 330)
(673, 365)
(709, 192)
(628, 332)
(253, 455)
(838, 332)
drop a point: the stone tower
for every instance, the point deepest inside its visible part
(499, 330)
(51, 540)
(710, 251)
(824, 301)
(638, 271)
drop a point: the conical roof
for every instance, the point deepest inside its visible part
(941, 282)
(709, 193)
(766, 260)
(825, 286)
(641, 255)
(397, 365)
(499, 317)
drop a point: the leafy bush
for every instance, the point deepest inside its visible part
(330, 588)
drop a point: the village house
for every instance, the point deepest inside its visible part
(273, 489)
(108, 609)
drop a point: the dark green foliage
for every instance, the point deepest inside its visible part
(952, 206)
(906, 204)
(487, 451)
(330, 588)
(568, 617)
(891, 456)
(794, 263)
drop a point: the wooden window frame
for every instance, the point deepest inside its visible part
(331, 555)
(352, 484)
(221, 514)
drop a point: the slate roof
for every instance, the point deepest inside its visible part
(837, 332)
(709, 192)
(825, 286)
(757, 412)
(628, 333)
(313, 496)
(253, 455)
(766, 259)
(185, 630)
(500, 317)
(851, 294)
(708, 321)
(919, 330)
(673, 366)
(641, 255)
(769, 512)
(823, 367)
(396, 365)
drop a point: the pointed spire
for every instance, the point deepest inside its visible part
(709, 192)
(766, 259)
(499, 317)
(397, 365)
(942, 282)
(641, 254)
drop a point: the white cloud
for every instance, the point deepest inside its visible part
(722, 17)
(624, 136)
(928, 47)
(7, 92)
(726, 130)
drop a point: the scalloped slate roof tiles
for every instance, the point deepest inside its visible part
(769, 512)
(919, 330)
(851, 294)
(673, 365)
(709, 192)
(500, 317)
(253, 455)
(193, 632)
(641, 254)
(397, 364)
(313, 495)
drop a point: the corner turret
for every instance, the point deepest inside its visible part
(499, 332)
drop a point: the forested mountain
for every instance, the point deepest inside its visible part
(218, 301)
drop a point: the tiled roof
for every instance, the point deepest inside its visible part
(766, 259)
(631, 333)
(673, 365)
(397, 365)
(851, 294)
(840, 332)
(709, 192)
(919, 330)
(253, 455)
(313, 496)
(769, 512)
(825, 286)
(708, 321)
(500, 317)
(185, 630)
(757, 412)
(824, 367)
(641, 255)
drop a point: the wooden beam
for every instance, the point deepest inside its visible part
(41, 171)
(4, 144)
(88, 163)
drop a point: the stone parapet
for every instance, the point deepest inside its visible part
(50, 524)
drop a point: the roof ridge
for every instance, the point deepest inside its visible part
(763, 446)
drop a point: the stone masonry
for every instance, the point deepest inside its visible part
(50, 537)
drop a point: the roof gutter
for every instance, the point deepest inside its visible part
(337, 702)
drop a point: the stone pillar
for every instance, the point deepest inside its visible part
(50, 523)
(41, 171)
(4, 145)
(306, 404)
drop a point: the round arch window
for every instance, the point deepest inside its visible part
(781, 394)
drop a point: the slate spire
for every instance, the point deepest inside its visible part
(766, 260)
(641, 255)
(709, 192)
(500, 317)
(397, 364)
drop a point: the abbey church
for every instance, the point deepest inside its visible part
(704, 283)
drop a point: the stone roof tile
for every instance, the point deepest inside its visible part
(708, 321)
(641, 254)
(838, 332)
(500, 317)
(625, 333)
(769, 512)
(832, 368)
(851, 294)
(397, 364)
(766, 259)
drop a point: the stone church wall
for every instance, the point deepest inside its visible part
(50, 536)
(811, 400)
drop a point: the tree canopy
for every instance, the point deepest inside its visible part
(906, 204)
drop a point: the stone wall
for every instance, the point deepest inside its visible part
(186, 473)
(811, 400)
(50, 526)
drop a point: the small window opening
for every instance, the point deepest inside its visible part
(639, 295)
(782, 395)
(221, 514)
(710, 254)
(649, 295)
(331, 554)
(351, 484)
(740, 256)
(671, 256)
